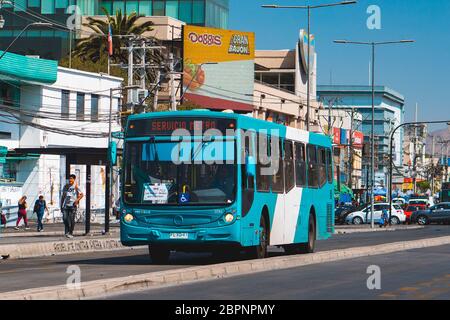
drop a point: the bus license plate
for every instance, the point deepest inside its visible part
(179, 236)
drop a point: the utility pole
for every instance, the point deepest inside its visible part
(432, 164)
(173, 100)
(415, 154)
(350, 151)
(446, 160)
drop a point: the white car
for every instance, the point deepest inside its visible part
(364, 216)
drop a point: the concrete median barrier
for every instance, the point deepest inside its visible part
(60, 247)
(104, 287)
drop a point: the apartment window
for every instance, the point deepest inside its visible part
(158, 8)
(48, 7)
(94, 107)
(80, 106)
(34, 3)
(199, 12)
(145, 7)
(172, 8)
(131, 6)
(118, 5)
(65, 99)
(186, 11)
(61, 4)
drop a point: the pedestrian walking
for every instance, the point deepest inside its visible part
(70, 198)
(384, 218)
(22, 213)
(40, 206)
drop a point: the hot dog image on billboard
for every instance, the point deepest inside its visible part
(218, 68)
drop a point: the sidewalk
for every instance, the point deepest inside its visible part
(53, 230)
(341, 229)
(29, 243)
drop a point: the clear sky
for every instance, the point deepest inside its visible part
(419, 71)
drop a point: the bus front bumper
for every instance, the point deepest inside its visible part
(134, 235)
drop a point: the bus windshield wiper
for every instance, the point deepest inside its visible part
(199, 148)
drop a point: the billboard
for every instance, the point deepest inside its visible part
(218, 68)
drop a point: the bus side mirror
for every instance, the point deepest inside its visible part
(250, 166)
(112, 153)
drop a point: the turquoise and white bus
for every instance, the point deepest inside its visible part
(192, 181)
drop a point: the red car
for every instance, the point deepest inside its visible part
(412, 208)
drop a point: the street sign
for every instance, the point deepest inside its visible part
(118, 135)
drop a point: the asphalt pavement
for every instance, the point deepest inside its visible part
(415, 274)
(48, 271)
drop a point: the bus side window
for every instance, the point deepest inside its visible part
(312, 166)
(277, 178)
(288, 161)
(300, 165)
(322, 166)
(262, 180)
(247, 182)
(329, 166)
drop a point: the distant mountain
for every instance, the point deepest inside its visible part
(439, 135)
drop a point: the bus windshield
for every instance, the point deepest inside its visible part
(180, 173)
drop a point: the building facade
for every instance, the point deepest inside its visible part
(54, 42)
(54, 112)
(389, 113)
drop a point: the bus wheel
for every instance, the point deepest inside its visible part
(260, 251)
(309, 246)
(159, 255)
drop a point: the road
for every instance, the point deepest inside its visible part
(48, 271)
(415, 274)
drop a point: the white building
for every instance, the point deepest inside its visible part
(54, 113)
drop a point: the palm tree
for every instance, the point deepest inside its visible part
(96, 45)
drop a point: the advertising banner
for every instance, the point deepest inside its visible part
(358, 139)
(219, 68)
(336, 136)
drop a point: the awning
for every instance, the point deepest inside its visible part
(344, 189)
(18, 68)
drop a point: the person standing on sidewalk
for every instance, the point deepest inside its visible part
(70, 198)
(40, 206)
(22, 213)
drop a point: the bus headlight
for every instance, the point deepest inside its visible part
(128, 218)
(229, 217)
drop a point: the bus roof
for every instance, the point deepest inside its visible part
(243, 121)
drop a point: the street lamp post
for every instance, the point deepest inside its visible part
(39, 24)
(308, 8)
(372, 138)
(108, 200)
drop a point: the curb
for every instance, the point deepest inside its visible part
(60, 247)
(343, 230)
(50, 234)
(104, 287)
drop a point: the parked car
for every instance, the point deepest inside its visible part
(364, 215)
(341, 212)
(410, 209)
(439, 213)
(423, 201)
